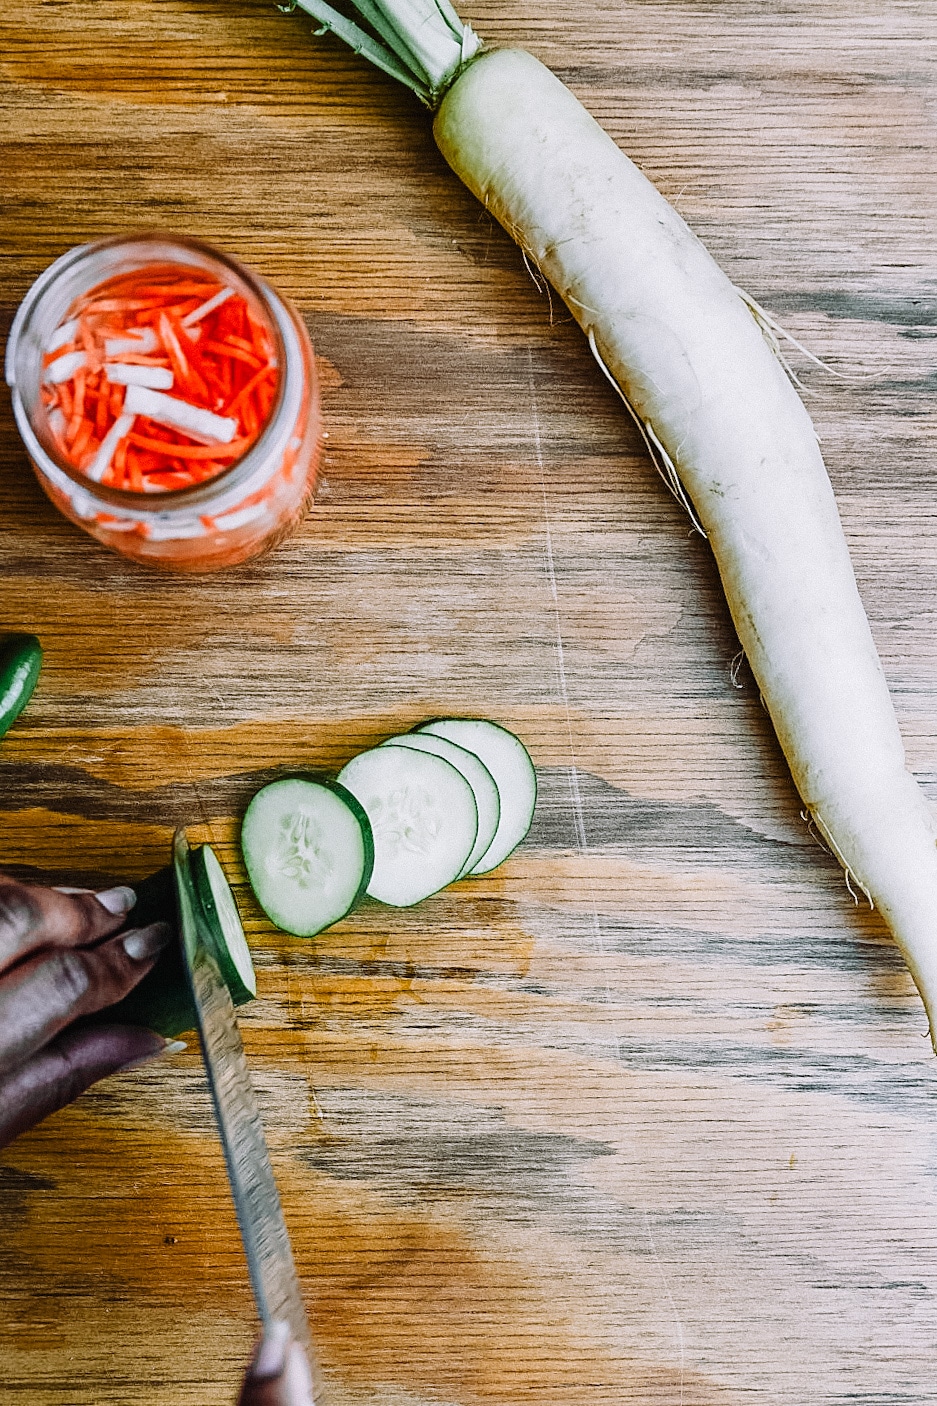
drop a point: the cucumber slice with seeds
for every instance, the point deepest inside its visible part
(423, 816)
(476, 774)
(507, 759)
(309, 852)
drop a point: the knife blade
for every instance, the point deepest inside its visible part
(270, 1262)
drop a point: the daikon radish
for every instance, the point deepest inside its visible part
(691, 359)
(118, 373)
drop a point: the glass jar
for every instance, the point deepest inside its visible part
(207, 526)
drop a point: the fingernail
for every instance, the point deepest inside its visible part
(146, 942)
(298, 1378)
(169, 1048)
(270, 1360)
(117, 900)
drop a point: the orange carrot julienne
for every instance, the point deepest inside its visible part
(248, 389)
(122, 305)
(138, 359)
(178, 290)
(229, 348)
(232, 341)
(80, 442)
(134, 474)
(101, 415)
(170, 479)
(190, 451)
(65, 350)
(78, 406)
(223, 363)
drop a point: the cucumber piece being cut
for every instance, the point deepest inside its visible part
(507, 759)
(476, 774)
(309, 852)
(223, 925)
(423, 816)
(20, 662)
(162, 1000)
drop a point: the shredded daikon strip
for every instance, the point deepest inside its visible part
(63, 335)
(240, 516)
(163, 532)
(64, 367)
(138, 339)
(201, 424)
(204, 309)
(102, 460)
(57, 422)
(158, 378)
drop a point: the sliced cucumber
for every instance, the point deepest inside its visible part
(20, 662)
(476, 774)
(309, 852)
(223, 920)
(507, 759)
(423, 816)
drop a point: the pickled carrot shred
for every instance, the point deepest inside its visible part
(206, 452)
(190, 323)
(79, 444)
(232, 348)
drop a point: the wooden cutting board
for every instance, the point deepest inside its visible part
(648, 1115)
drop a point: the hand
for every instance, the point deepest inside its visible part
(59, 960)
(279, 1374)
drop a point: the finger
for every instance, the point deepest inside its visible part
(68, 1066)
(33, 916)
(279, 1374)
(49, 991)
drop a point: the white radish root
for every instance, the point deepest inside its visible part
(690, 357)
(691, 361)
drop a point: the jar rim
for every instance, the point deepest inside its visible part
(170, 245)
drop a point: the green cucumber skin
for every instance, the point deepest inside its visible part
(367, 834)
(162, 1001)
(239, 993)
(367, 839)
(489, 722)
(20, 663)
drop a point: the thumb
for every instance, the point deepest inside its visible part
(279, 1374)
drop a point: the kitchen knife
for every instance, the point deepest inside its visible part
(263, 1231)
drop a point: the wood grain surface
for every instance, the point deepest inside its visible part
(647, 1115)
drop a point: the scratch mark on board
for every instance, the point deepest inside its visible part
(678, 1321)
(575, 793)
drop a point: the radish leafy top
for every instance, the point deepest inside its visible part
(421, 43)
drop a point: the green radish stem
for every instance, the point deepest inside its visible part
(421, 43)
(690, 358)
